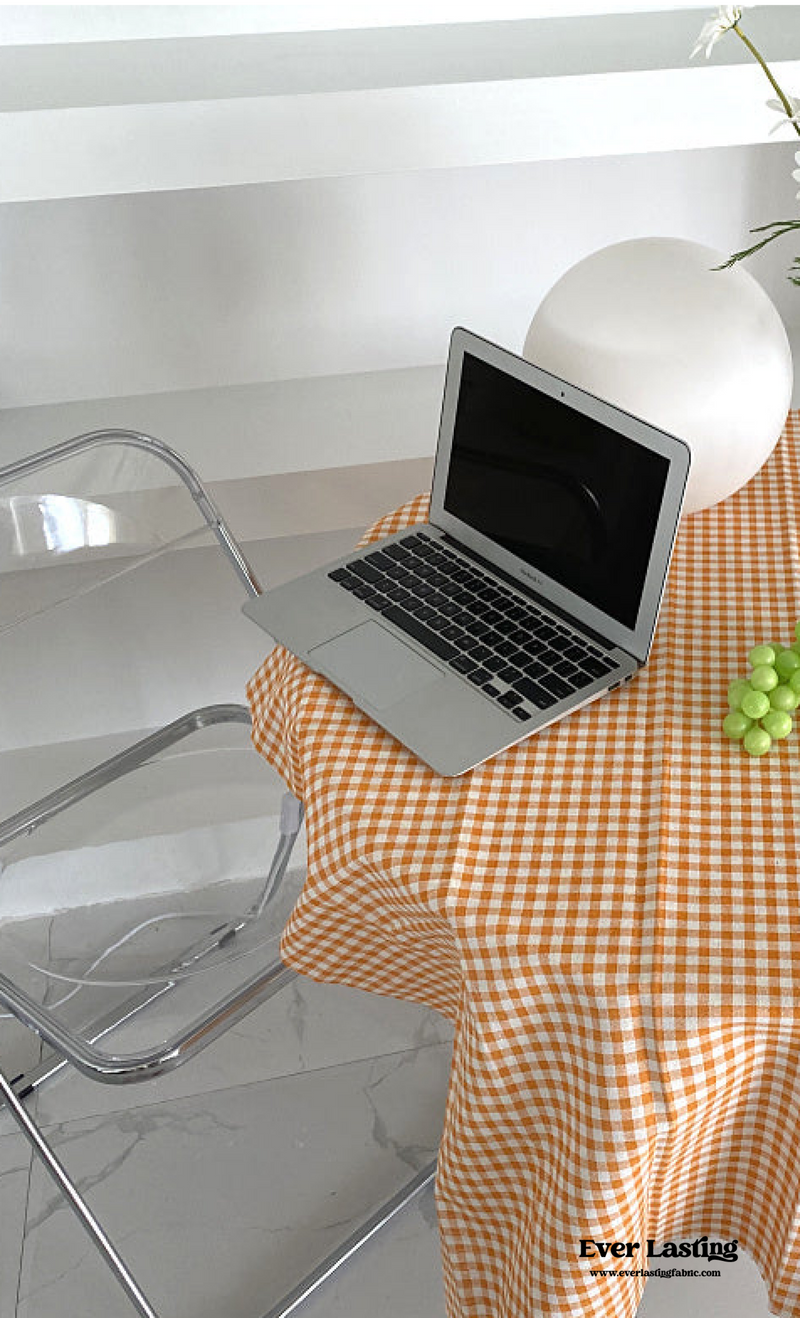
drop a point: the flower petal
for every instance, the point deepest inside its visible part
(726, 17)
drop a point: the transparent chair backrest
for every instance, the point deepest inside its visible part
(120, 612)
(107, 557)
(87, 514)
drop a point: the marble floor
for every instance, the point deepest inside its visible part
(224, 1182)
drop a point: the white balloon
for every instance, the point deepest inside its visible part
(652, 327)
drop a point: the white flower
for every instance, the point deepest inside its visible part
(796, 172)
(726, 17)
(793, 118)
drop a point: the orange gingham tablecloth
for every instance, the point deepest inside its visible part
(609, 912)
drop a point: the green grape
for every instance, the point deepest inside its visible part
(797, 631)
(736, 724)
(763, 677)
(757, 741)
(777, 723)
(794, 681)
(783, 697)
(737, 690)
(786, 663)
(762, 654)
(755, 704)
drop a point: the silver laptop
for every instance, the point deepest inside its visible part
(532, 590)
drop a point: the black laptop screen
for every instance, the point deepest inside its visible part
(563, 492)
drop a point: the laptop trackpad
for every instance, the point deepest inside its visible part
(369, 661)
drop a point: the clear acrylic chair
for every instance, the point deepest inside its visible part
(135, 816)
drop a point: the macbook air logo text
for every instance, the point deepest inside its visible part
(526, 572)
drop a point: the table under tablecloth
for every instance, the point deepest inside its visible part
(610, 915)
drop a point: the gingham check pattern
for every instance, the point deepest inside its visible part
(609, 912)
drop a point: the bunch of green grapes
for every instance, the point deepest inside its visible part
(762, 705)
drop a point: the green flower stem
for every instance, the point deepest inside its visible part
(779, 227)
(784, 100)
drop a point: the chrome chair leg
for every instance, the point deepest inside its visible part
(75, 1200)
(300, 1293)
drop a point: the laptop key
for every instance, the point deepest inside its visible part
(597, 667)
(463, 664)
(452, 633)
(556, 685)
(366, 571)
(536, 694)
(565, 669)
(419, 632)
(379, 558)
(533, 646)
(481, 654)
(535, 670)
(582, 679)
(482, 630)
(518, 658)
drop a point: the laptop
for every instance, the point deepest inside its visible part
(533, 588)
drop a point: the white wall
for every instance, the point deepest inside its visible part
(388, 183)
(110, 297)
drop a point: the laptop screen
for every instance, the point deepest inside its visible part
(560, 490)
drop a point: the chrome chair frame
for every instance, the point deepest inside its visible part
(69, 1047)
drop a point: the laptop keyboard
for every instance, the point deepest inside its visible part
(518, 656)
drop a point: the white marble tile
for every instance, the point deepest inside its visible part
(219, 1202)
(398, 1274)
(14, 1177)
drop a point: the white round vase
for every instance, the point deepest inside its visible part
(650, 326)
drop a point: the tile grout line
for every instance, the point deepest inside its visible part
(247, 1084)
(24, 1234)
